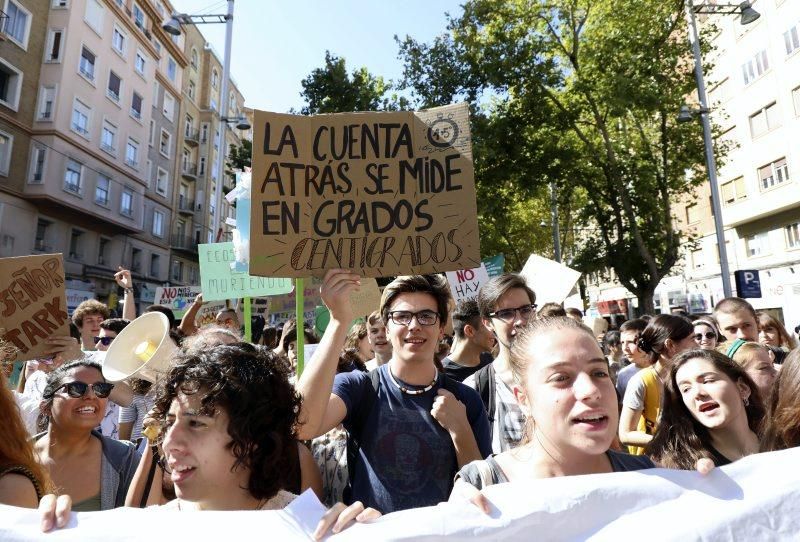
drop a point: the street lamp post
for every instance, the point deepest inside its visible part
(748, 15)
(173, 26)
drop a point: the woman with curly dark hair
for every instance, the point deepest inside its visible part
(711, 409)
(783, 423)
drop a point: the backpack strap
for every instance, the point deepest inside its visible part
(484, 380)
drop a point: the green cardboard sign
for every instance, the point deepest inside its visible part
(219, 281)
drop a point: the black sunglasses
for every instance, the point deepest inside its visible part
(78, 389)
(104, 340)
(708, 335)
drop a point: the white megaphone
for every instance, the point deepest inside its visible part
(142, 350)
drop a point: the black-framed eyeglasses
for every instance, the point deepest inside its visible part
(78, 389)
(105, 341)
(708, 336)
(509, 315)
(424, 318)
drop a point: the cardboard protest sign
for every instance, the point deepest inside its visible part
(367, 299)
(34, 305)
(381, 193)
(551, 281)
(219, 281)
(180, 298)
(465, 284)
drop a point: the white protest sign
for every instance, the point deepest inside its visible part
(755, 498)
(551, 281)
(465, 284)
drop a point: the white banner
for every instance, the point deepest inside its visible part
(757, 498)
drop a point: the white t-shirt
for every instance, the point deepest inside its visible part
(28, 410)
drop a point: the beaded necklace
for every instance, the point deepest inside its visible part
(407, 391)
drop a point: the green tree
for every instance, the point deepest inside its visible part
(595, 86)
(239, 157)
(331, 89)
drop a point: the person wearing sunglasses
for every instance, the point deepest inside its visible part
(506, 304)
(410, 427)
(93, 469)
(705, 334)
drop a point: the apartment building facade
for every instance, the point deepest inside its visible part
(754, 93)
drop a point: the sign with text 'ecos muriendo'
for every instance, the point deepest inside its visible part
(219, 281)
(382, 194)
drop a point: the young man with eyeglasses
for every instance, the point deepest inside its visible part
(410, 428)
(506, 305)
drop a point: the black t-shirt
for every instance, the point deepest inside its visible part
(460, 372)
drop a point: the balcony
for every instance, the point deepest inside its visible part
(192, 137)
(185, 206)
(189, 171)
(184, 242)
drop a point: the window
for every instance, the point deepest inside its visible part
(165, 143)
(187, 161)
(158, 46)
(59, 4)
(188, 126)
(149, 172)
(194, 58)
(692, 213)
(177, 270)
(697, 259)
(733, 191)
(80, 118)
(10, 84)
(791, 39)
(764, 120)
(202, 170)
(172, 69)
(204, 133)
(193, 272)
(152, 136)
(72, 176)
(47, 97)
(6, 143)
(126, 202)
(94, 15)
(793, 235)
(40, 242)
(156, 88)
(118, 41)
(132, 153)
(102, 248)
(136, 259)
(162, 181)
(136, 106)
(158, 223)
(138, 16)
(755, 67)
(86, 66)
(114, 90)
(102, 190)
(52, 52)
(108, 138)
(38, 157)
(214, 78)
(773, 174)
(192, 90)
(796, 100)
(757, 245)
(140, 63)
(169, 106)
(155, 264)
(18, 23)
(75, 252)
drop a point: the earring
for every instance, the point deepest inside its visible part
(747, 401)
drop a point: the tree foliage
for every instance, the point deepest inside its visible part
(589, 91)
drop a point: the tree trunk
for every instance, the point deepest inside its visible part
(646, 305)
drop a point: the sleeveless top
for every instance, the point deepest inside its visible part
(487, 472)
(24, 471)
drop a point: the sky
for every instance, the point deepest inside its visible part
(277, 43)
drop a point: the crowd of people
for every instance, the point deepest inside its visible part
(391, 413)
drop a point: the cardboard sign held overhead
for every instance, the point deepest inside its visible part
(550, 281)
(465, 284)
(380, 193)
(219, 281)
(33, 303)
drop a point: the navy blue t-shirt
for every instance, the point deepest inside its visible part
(406, 459)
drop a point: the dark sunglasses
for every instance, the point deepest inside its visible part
(78, 389)
(104, 340)
(708, 335)
(509, 315)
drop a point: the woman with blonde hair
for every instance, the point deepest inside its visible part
(772, 333)
(756, 361)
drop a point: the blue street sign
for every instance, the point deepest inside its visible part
(747, 283)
